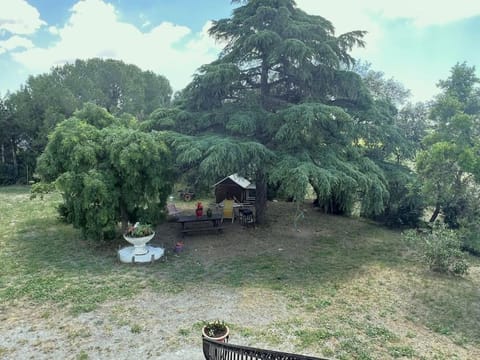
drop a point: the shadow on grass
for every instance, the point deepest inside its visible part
(282, 262)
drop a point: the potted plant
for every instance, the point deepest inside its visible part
(138, 235)
(216, 330)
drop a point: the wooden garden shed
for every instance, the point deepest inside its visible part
(235, 187)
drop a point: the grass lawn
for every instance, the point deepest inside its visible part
(340, 287)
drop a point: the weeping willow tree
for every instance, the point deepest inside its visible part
(277, 106)
(106, 172)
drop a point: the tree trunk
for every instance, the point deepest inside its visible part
(264, 89)
(261, 197)
(14, 159)
(124, 218)
(435, 213)
(3, 153)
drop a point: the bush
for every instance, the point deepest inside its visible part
(470, 223)
(7, 174)
(405, 205)
(470, 235)
(440, 248)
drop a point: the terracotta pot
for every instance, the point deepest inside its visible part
(223, 338)
(178, 247)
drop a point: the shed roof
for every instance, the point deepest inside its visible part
(239, 180)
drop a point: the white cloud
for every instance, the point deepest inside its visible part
(94, 30)
(348, 15)
(19, 17)
(15, 42)
(53, 30)
(375, 16)
(423, 12)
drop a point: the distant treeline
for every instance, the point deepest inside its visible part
(28, 115)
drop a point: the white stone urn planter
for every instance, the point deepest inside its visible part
(140, 252)
(139, 243)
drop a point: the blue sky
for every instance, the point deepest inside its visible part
(415, 42)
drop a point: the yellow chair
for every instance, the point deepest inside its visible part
(228, 210)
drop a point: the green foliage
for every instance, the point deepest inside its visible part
(441, 249)
(41, 189)
(448, 164)
(7, 174)
(215, 328)
(412, 122)
(96, 116)
(30, 114)
(380, 87)
(212, 84)
(207, 158)
(470, 235)
(116, 86)
(469, 229)
(242, 123)
(139, 230)
(160, 119)
(106, 175)
(405, 204)
(273, 92)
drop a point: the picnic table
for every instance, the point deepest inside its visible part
(200, 223)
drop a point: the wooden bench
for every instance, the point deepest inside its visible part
(200, 223)
(203, 228)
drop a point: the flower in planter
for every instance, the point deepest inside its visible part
(215, 329)
(139, 230)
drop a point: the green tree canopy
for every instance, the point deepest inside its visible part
(278, 106)
(106, 175)
(450, 159)
(47, 99)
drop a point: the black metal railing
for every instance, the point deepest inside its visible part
(214, 350)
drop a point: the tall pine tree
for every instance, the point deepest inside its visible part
(277, 106)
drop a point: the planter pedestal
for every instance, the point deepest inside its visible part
(140, 252)
(127, 254)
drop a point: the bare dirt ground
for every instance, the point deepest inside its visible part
(36, 333)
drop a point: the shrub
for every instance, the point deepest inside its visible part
(470, 235)
(406, 204)
(7, 174)
(470, 224)
(440, 249)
